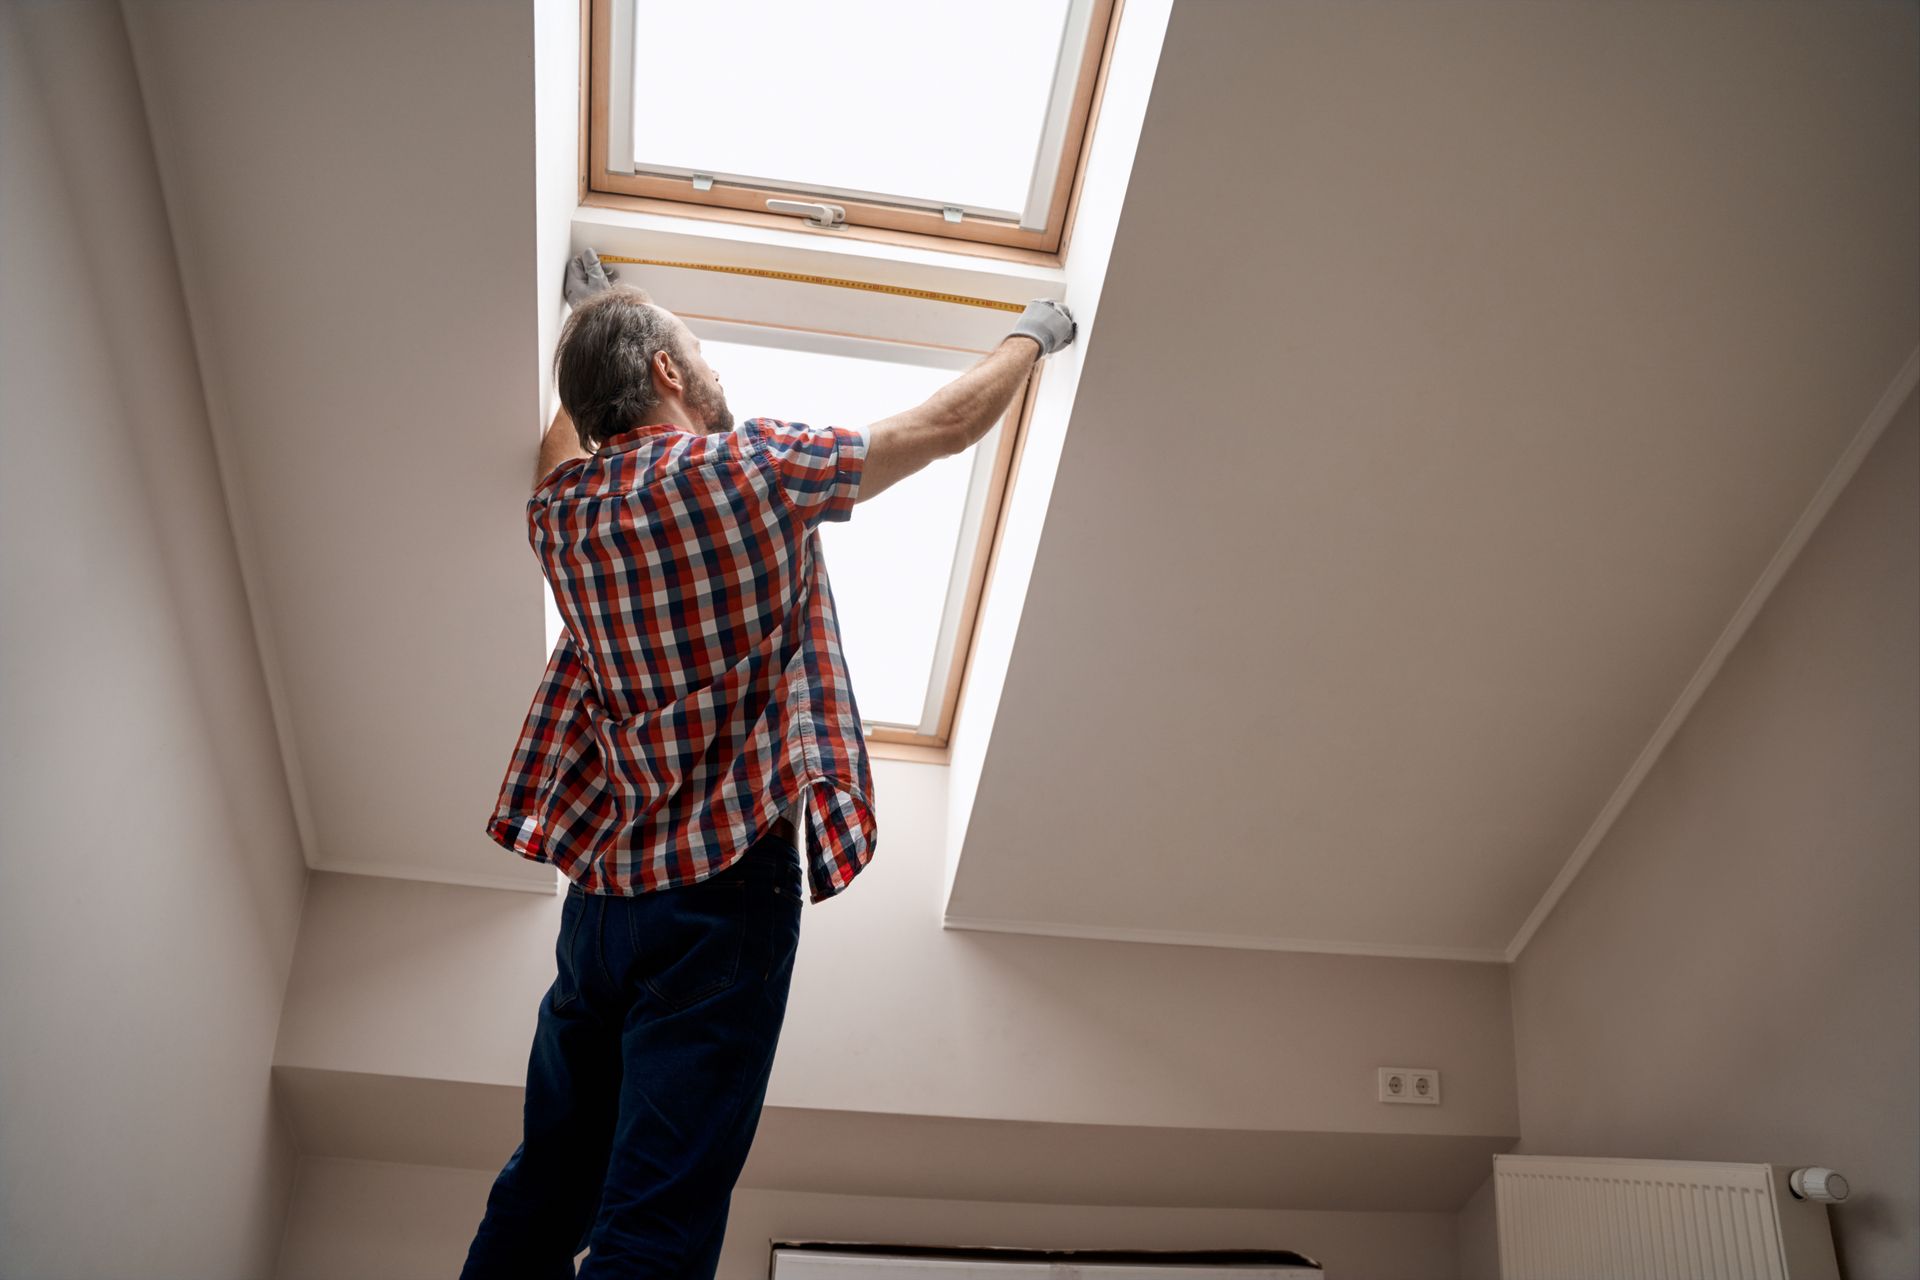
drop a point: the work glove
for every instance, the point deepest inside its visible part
(586, 276)
(1047, 323)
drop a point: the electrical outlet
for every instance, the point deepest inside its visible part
(1417, 1085)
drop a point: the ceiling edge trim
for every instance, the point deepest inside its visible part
(1235, 942)
(434, 875)
(1816, 510)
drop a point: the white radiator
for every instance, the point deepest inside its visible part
(1575, 1219)
(826, 1261)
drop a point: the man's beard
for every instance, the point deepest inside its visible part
(711, 404)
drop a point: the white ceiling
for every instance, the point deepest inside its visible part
(351, 188)
(1460, 368)
(1457, 375)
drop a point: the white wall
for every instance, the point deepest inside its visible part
(151, 880)
(892, 1013)
(1477, 1236)
(397, 1222)
(1736, 973)
(421, 997)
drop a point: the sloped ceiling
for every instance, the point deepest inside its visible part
(351, 191)
(1459, 371)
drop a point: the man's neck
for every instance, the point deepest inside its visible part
(670, 413)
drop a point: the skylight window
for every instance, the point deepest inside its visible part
(900, 569)
(958, 118)
(927, 124)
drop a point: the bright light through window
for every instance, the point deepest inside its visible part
(907, 569)
(892, 567)
(943, 102)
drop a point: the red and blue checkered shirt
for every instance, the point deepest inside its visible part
(699, 689)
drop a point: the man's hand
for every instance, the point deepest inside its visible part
(1047, 323)
(586, 276)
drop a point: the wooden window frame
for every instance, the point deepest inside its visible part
(865, 219)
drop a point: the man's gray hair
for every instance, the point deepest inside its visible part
(604, 364)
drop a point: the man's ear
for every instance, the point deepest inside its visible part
(667, 376)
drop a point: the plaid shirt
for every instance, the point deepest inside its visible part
(699, 690)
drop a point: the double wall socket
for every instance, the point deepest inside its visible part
(1417, 1085)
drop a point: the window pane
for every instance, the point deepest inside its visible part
(891, 564)
(938, 101)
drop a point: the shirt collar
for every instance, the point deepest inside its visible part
(634, 437)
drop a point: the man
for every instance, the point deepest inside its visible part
(693, 723)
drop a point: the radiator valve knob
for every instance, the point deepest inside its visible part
(1818, 1184)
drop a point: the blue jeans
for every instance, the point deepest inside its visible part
(649, 1069)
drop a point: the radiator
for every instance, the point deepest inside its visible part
(819, 1260)
(1576, 1219)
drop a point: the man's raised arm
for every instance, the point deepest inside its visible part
(560, 444)
(585, 278)
(964, 410)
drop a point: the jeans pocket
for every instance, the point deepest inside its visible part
(698, 933)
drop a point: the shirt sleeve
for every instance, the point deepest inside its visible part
(816, 469)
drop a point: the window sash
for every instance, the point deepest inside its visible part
(1040, 225)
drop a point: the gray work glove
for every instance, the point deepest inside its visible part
(586, 276)
(1047, 323)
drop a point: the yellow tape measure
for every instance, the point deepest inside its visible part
(898, 291)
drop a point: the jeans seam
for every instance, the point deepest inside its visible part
(568, 936)
(600, 944)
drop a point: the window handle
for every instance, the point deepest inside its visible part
(826, 216)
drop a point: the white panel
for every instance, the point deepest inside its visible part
(1568, 1219)
(791, 1264)
(795, 1264)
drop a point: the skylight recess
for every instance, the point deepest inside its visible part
(959, 118)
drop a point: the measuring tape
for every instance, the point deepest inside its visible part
(898, 291)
